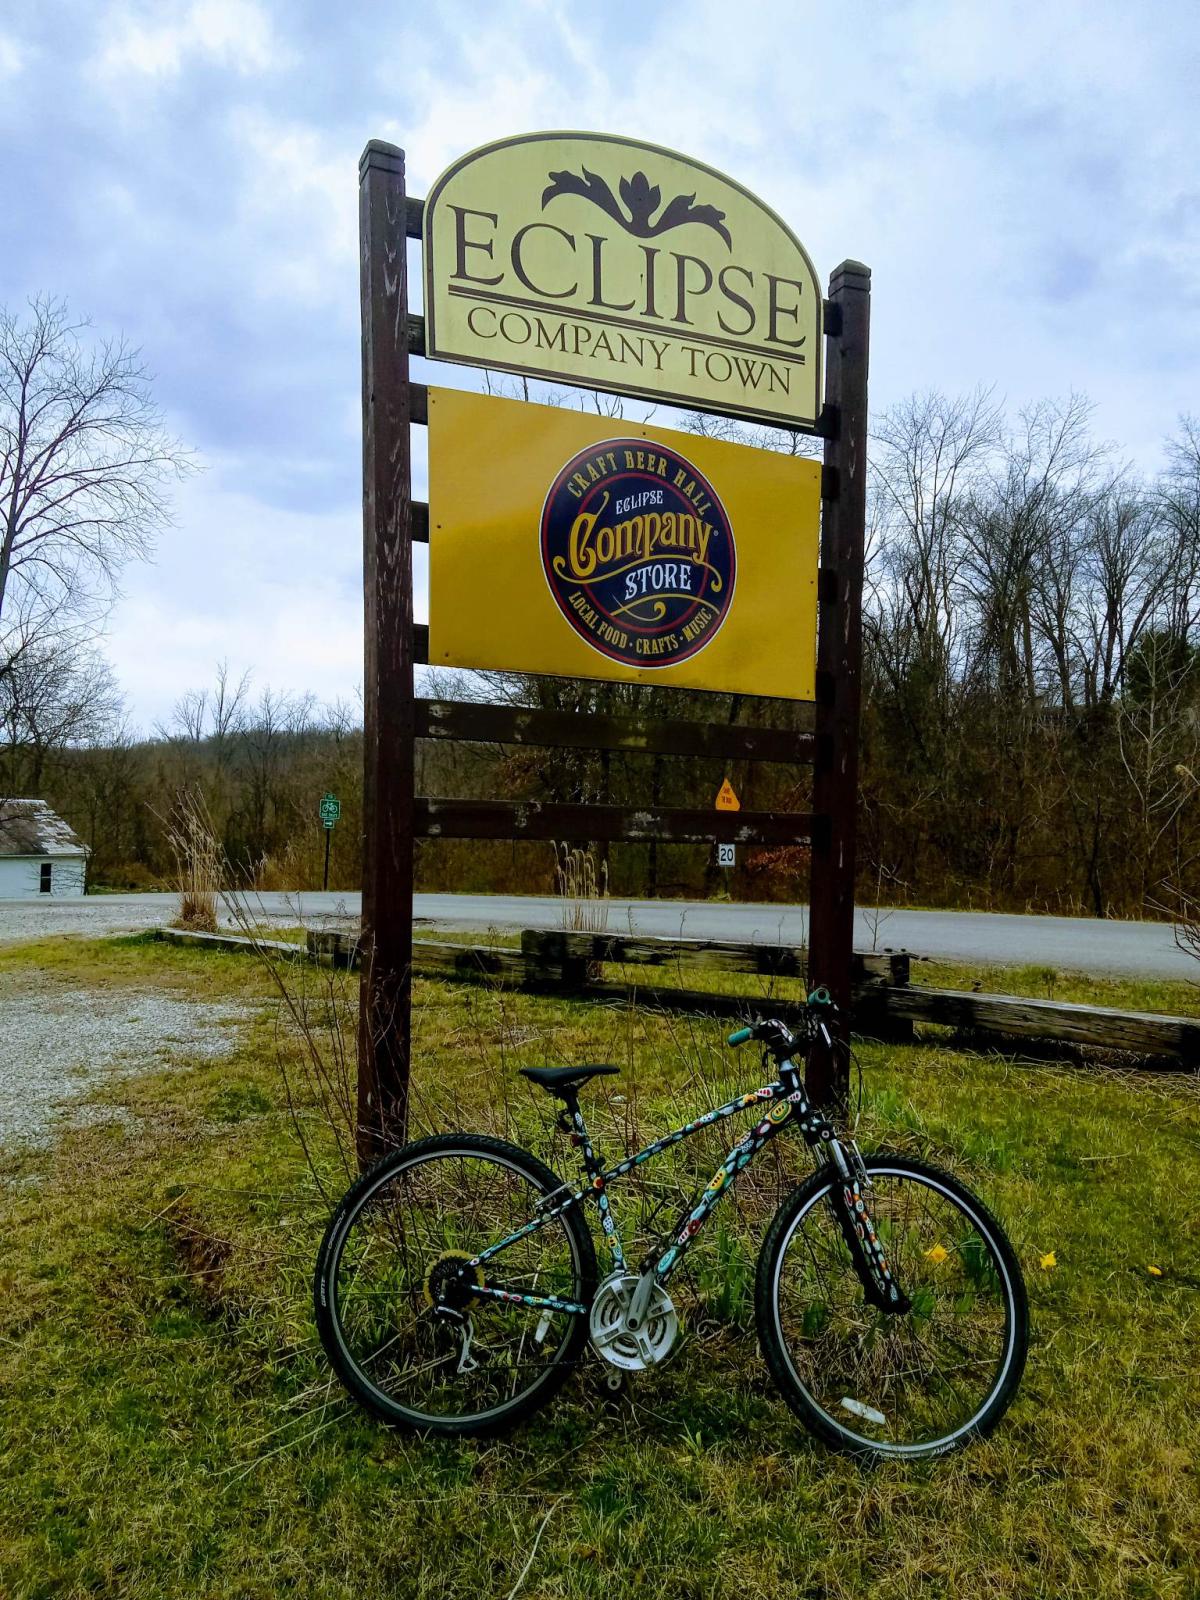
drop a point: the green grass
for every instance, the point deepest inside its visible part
(167, 1427)
(1051, 983)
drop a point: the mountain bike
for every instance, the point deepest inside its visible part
(457, 1284)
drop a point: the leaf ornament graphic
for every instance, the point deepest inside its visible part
(642, 198)
(682, 209)
(589, 187)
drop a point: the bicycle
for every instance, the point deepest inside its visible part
(457, 1284)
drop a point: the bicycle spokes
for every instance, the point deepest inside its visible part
(417, 1315)
(903, 1372)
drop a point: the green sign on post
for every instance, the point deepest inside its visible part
(330, 809)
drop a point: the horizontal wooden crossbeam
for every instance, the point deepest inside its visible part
(536, 819)
(1143, 1033)
(711, 955)
(529, 725)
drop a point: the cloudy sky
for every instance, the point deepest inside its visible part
(1021, 177)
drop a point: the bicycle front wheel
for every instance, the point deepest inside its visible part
(398, 1304)
(911, 1383)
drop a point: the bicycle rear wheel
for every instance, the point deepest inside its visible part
(914, 1383)
(395, 1295)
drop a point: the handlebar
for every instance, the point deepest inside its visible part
(779, 1039)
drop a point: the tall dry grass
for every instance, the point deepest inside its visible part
(583, 889)
(199, 862)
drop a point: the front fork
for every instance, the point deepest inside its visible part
(848, 1194)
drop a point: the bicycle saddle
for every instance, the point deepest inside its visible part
(555, 1079)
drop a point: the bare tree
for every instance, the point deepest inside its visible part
(84, 466)
(189, 718)
(927, 455)
(1022, 540)
(52, 697)
(1158, 732)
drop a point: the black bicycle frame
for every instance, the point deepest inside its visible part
(786, 1105)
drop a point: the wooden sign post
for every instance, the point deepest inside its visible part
(839, 660)
(385, 1007)
(743, 288)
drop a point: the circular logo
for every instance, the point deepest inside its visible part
(638, 552)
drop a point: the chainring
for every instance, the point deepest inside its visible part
(629, 1351)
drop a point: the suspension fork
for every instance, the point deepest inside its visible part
(848, 1197)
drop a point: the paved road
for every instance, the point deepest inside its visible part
(1071, 944)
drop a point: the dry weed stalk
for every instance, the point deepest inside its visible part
(199, 861)
(316, 1042)
(1182, 905)
(583, 889)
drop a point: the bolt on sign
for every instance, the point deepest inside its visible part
(589, 259)
(585, 547)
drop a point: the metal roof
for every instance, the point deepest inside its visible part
(30, 828)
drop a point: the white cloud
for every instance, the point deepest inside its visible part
(12, 57)
(159, 42)
(297, 198)
(276, 591)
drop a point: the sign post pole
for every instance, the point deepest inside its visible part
(839, 661)
(388, 728)
(329, 811)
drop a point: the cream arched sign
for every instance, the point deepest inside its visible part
(607, 262)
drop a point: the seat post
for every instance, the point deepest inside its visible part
(569, 1096)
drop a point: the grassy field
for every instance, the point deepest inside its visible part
(167, 1426)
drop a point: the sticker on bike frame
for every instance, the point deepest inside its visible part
(598, 1181)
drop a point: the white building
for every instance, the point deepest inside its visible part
(39, 854)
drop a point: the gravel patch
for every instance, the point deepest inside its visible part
(101, 916)
(95, 917)
(58, 1044)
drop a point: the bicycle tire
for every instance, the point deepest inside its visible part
(819, 1420)
(338, 1232)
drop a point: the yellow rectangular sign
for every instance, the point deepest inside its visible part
(590, 547)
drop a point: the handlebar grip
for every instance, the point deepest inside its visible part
(740, 1036)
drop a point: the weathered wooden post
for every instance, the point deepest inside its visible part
(387, 880)
(839, 657)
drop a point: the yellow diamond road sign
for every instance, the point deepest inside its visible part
(726, 799)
